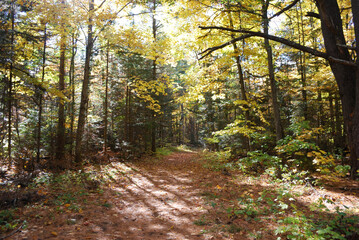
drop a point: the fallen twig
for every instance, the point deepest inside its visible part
(13, 232)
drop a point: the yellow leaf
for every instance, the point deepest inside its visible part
(54, 234)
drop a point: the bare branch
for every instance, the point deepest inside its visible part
(346, 46)
(100, 6)
(285, 9)
(274, 38)
(286, 42)
(313, 14)
(208, 51)
(341, 61)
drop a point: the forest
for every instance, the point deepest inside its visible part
(249, 108)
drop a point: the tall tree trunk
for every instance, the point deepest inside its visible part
(106, 100)
(273, 83)
(11, 81)
(85, 87)
(332, 119)
(339, 137)
(347, 77)
(72, 87)
(60, 139)
(40, 93)
(154, 78)
(302, 61)
(246, 140)
(126, 130)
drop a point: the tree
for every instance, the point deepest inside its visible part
(91, 38)
(60, 141)
(85, 84)
(344, 67)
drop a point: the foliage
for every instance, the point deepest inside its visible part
(258, 162)
(8, 220)
(299, 226)
(216, 160)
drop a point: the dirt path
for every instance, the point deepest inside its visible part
(149, 199)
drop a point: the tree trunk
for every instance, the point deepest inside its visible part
(273, 83)
(332, 119)
(10, 81)
(72, 86)
(302, 61)
(85, 88)
(40, 92)
(154, 78)
(339, 136)
(60, 139)
(347, 77)
(246, 140)
(106, 100)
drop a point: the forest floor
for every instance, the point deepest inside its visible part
(178, 196)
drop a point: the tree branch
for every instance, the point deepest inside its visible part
(100, 6)
(346, 46)
(285, 9)
(111, 21)
(287, 43)
(208, 51)
(313, 14)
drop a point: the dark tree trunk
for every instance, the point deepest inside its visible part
(106, 100)
(246, 140)
(154, 76)
(347, 77)
(72, 87)
(11, 81)
(339, 135)
(60, 138)
(332, 119)
(302, 61)
(85, 88)
(40, 97)
(273, 83)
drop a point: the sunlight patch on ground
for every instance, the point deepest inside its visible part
(121, 167)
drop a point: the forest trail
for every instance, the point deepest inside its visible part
(147, 199)
(183, 195)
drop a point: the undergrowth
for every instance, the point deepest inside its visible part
(278, 204)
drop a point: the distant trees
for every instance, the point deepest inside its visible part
(244, 82)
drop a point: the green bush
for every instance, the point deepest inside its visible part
(258, 162)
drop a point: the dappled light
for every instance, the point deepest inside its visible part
(186, 119)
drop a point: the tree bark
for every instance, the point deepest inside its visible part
(72, 86)
(246, 140)
(345, 70)
(302, 61)
(347, 77)
(85, 87)
(273, 83)
(106, 99)
(11, 81)
(60, 139)
(40, 93)
(154, 76)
